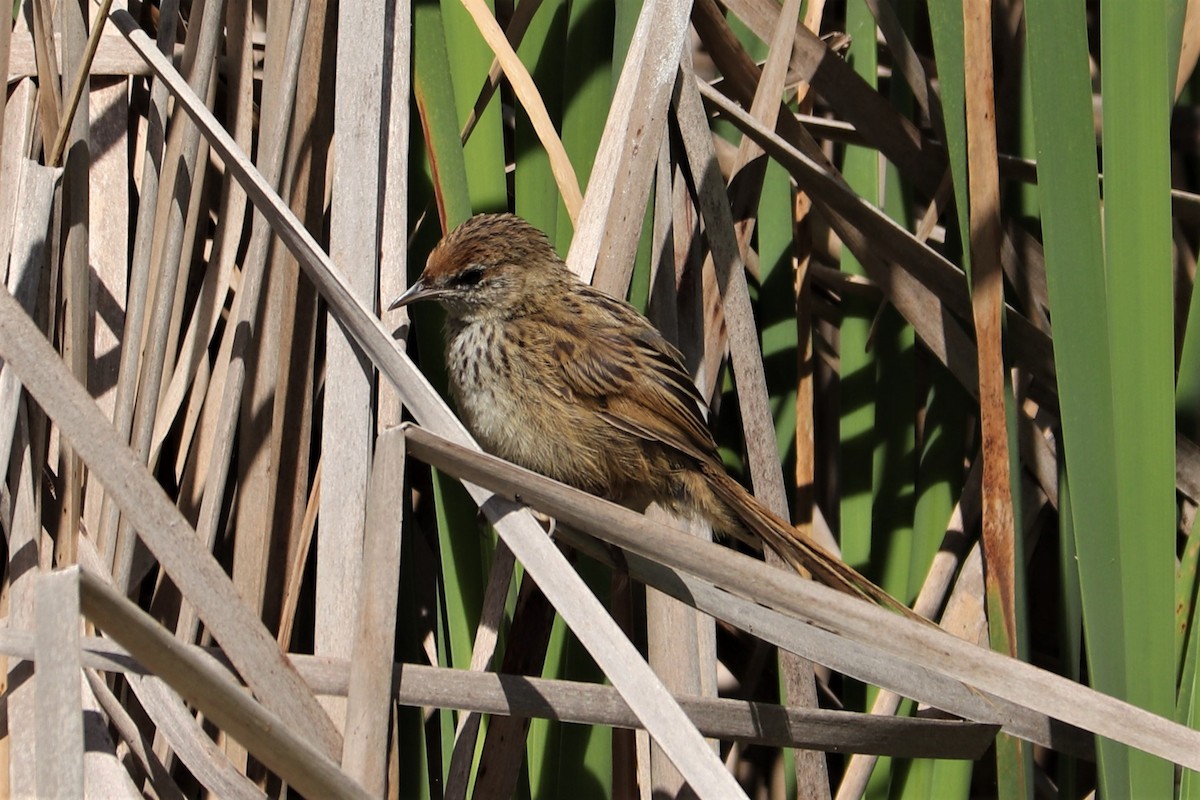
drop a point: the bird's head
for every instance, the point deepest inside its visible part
(490, 265)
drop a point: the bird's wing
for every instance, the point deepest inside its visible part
(635, 377)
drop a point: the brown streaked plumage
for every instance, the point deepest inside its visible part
(560, 378)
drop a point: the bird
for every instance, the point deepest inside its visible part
(558, 377)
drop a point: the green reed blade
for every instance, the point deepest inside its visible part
(1110, 301)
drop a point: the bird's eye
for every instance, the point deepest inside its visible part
(470, 276)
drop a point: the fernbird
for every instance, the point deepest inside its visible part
(560, 378)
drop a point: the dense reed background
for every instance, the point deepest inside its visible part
(933, 263)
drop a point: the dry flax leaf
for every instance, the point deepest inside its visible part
(849, 95)
(369, 694)
(757, 421)
(508, 695)
(579, 607)
(992, 679)
(348, 427)
(987, 304)
(610, 223)
(160, 525)
(289, 752)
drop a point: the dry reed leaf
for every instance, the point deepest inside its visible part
(610, 221)
(27, 558)
(757, 421)
(289, 752)
(59, 728)
(394, 229)
(578, 606)
(368, 704)
(421, 685)
(33, 193)
(175, 724)
(908, 644)
(854, 101)
(132, 737)
(987, 305)
(114, 56)
(347, 428)
(46, 56)
(159, 523)
(727, 241)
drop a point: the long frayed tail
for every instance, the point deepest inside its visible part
(801, 554)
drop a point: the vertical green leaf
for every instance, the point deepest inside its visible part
(1137, 237)
(470, 58)
(946, 26)
(542, 52)
(941, 471)
(587, 87)
(857, 386)
(625, 21)
(921, 488)
(895, 461)
(776, 303)
(1110, 293)
(434, 91)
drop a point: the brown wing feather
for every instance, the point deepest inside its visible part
(644, 389)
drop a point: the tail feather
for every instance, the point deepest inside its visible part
(804, 556)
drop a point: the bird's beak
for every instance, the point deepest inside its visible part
(418, 291)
